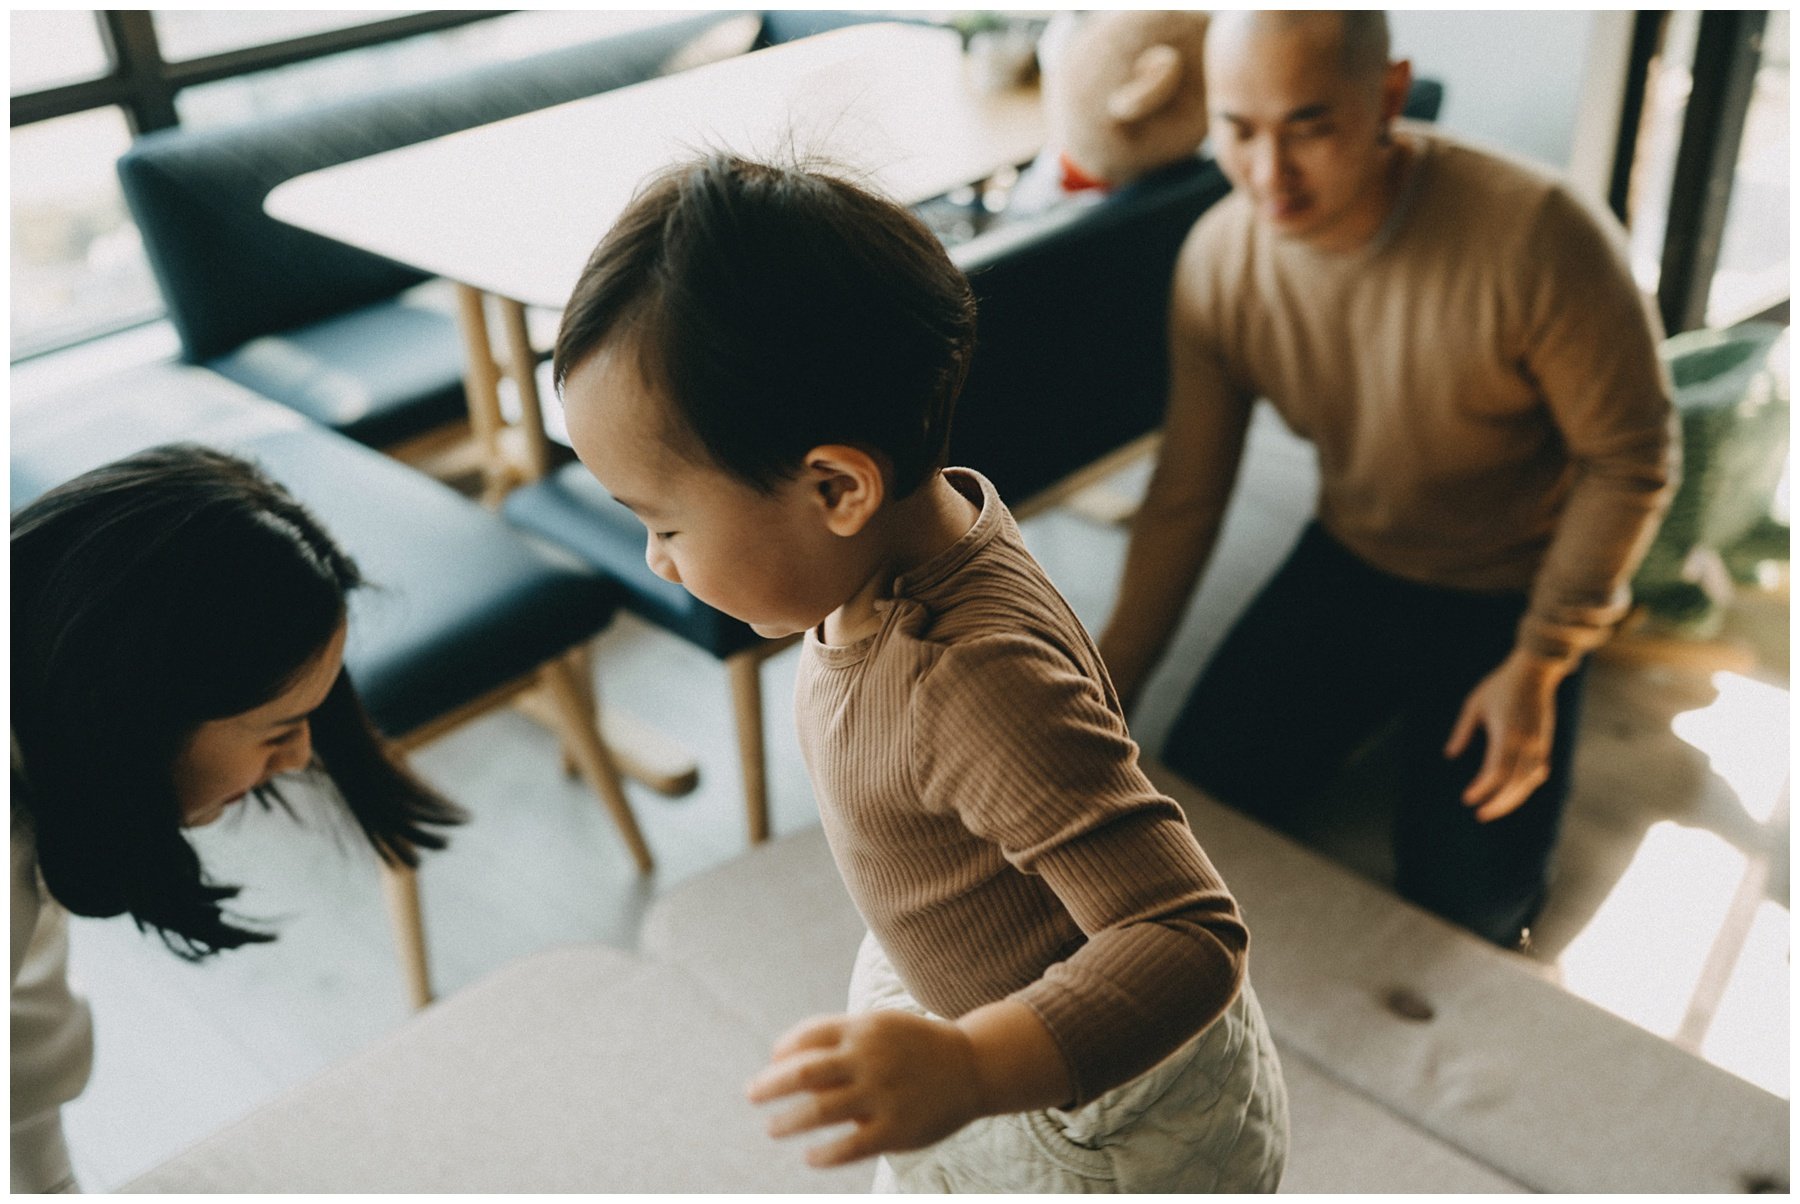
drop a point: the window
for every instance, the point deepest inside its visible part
(1708, 197)
(190, 33)
(52, 48)
(83, 81)
(78, 268)
(1752, 274)
(1659, 137)
(394, 64)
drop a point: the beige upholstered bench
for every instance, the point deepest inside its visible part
(1417, 1058)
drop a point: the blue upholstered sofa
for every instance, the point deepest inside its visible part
(323, 328)
(334, 332)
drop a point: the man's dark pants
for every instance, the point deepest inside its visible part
(1330, 653)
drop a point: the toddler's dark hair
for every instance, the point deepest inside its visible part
(778, 309)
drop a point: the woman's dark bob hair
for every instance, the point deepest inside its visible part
(779, 308)
(172, 587)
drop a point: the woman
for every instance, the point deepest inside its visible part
(178, 638)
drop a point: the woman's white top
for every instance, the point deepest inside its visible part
(52, 1032)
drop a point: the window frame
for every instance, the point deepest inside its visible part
(1726, 59)
(1725, 65)
(145, 84)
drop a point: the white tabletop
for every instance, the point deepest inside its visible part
(515, 207)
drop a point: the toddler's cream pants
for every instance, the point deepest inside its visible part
(1211, 1117)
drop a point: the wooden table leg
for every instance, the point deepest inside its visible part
(521, 366)
(481, 385)
(640, 751)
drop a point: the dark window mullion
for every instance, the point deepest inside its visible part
(145, 86)
(1647, 33)
(1725, 62)
(150, 99)
(70, 98)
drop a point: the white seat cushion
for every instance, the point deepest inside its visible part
(590, 1069)
(1511, 1069)
(1345, 1142)
(578, 1069)
(771, 934)
(1512, 1081)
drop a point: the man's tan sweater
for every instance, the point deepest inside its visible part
(1481, 383)
(984, 803)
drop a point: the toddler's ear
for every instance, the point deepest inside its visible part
(847, 484)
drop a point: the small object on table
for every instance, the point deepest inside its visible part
(999, 53)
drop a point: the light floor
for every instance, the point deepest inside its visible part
(1670, 908)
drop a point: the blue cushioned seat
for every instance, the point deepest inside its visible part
(306, 320)
(377, 374)
(780, 26)
(1071, 340)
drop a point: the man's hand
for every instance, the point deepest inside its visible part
(1516, 706)
(904, 1080)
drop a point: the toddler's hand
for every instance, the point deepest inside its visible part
(904, 1080)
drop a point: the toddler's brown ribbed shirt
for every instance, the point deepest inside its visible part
(985, 806)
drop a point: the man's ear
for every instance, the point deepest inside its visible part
(847, 484)
(1155, 79)
(1396, 85)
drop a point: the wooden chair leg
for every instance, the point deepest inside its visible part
(581, 736)
(745, 670)
(400, 884)
(581, 664)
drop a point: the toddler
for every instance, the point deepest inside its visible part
(762, 362)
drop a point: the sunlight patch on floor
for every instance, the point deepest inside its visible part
(1642, 954)
(1737, 732)
(1749, 1035)
(1686, 945)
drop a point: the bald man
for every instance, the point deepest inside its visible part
(1461, 339)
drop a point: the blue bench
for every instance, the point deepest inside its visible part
(318, 326)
